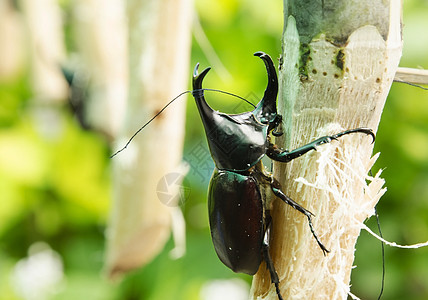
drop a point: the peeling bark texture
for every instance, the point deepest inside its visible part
(338, 63)
(159, 53)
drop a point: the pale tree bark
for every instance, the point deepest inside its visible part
(159, 52)
(339, 61)
(12, 42)
(100, 31)
(413, 76)
(46, 50)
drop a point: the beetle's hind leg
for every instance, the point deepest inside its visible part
(267, 258)
(280, 194)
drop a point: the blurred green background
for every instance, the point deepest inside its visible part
(55, 177)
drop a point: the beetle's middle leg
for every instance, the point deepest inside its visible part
(280, 194)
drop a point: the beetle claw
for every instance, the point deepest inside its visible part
(277, 133)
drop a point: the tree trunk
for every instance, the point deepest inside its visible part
(46, 50)
(159, 52)
(100, 32)
(339, 61)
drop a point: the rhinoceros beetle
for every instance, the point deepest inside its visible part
(241, 191)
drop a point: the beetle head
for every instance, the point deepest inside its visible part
(238, 142)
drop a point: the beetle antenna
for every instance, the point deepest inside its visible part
(230, 94)
(170, 102)
(147, 123)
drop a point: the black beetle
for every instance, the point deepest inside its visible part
(240, 190)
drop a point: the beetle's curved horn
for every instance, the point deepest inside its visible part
(266, 109)
(198, 78)
(205, 111)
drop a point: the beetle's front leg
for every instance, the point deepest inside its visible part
(277, 154)
(280, 194)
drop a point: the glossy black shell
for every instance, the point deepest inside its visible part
(236, 220)
(237, 143)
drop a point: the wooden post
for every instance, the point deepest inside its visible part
(159, 53)
(338, 63)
